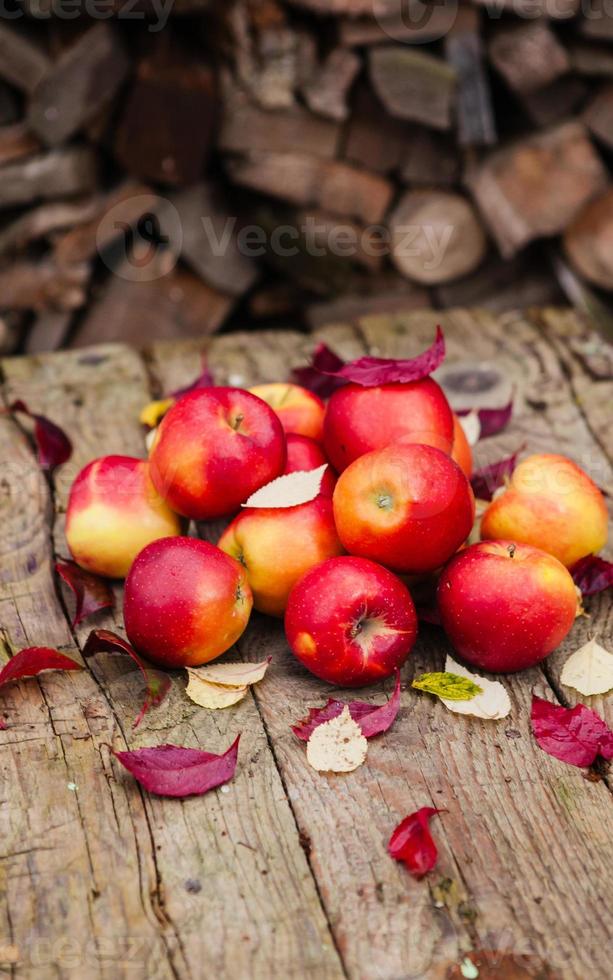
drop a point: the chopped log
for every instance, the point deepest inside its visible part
(436, 237)
(326, 91)
(591, 59)
(556, 101)
(413, 85)
(597, 21)
(43, 285)
(114, 215)
(409, 22)
(83, 80)
(528, 57)
(307, 180)
(430, 158)
(345, 239)
(598, 115)
(499, 285)
(588, 241)
(536, 186)
(22, 63)
(532, 9)
(381, 148)
(464, 51)
(16, 141)
(156, 138)
(48, 332)
(42, 221)
(62, 172)
(200, 226)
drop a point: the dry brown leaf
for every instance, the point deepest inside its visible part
(337, 745)
(232, 674)
(209, 695)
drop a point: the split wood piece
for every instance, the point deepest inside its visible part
(307, 180)
(528, 57)
(598, 115)
(200, 226)
(323, 234)
(597, 22)
(327, 88)
(61, 172)
(436, 237)
(499, 285)
(42, 221)
(464, 52)
(409, 22)
(247, 128)
(156, 137)
(381, 147)
(74, 89)
(588, 241)
(555, 101)
(532, 9)
(17, 141)
(48, 332)
(413, 85)
(429, 158)
(44, 285)
(114, 214)
(536, 186)
(22, 63)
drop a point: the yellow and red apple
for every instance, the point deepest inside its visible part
(461, 451)
(301, 411)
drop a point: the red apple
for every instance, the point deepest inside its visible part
(113, 512)
(505, 606)
(350, 621)
(409, 507)
(185, 602)
(360, 419)
(306, 454)
(213, 449)
(301, 411)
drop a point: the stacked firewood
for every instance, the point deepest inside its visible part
(197, 166)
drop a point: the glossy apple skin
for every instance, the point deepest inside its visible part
(306, 454)
(276, 546)
(409, 507)
(505, 606)
(185, 602)
(113, 511)
(461, 451)
(351, 621)
(213, 449)
(551, 504)
(360, 419)
(301, 411)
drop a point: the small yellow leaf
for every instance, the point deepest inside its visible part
(337, 745)
(154, 411)
(589, 669)
(232, 674)
(213, 696)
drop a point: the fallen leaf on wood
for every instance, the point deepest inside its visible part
(372, 719)
(337, 745)
(412, 842)
(33, 660)
(210, 695)
(172, 770)
(52, 444)
(157, 683)
(592, 574)
(471, 425)
(488, 479)
(491, 420)
(232, 673)
(289, 490)
(451, 687)
(574, 735)
(318, 376)
(372, 371)
(589, 669)
(91, 592)
(493, 703)
(154, 411)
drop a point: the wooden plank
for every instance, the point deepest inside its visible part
(62, 172)
(215, 886)
(522, 831)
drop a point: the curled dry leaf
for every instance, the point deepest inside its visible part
(372, 371)
(337, 745)
(33, 660)
(471, 426)
(488, 479)
(52, 444)
(318, 375)
(157, 683)
(372, 719)
(592, 574)
(448, 686)
(212, 696)
(493, 703)
(172, 770)
(412, 842)
(290, 490)
(589, 669)
(91, 592)
(222, 685)
(491, 420)
(574, 735)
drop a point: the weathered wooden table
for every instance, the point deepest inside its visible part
(284, 872)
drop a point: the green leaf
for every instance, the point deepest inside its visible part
(449, 686)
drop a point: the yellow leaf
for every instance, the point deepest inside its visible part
(154, 411)
(589, 669)
(231, 674)
(337, 745)
(213, 696)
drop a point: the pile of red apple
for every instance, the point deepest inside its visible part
(394, 510)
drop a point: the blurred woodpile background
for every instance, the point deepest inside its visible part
(200, 166)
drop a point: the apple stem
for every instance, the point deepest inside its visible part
(511, 550)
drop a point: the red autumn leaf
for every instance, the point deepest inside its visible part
(317, 375)
(157, 683)
(592, 574)
(172, 770)
(489, 478)
(91, 592)
(204, 380)
(412, 842)
(53, 445)
(574, 735)
(372, 371)
(372, 719)
(491, 420)
(33, 660)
